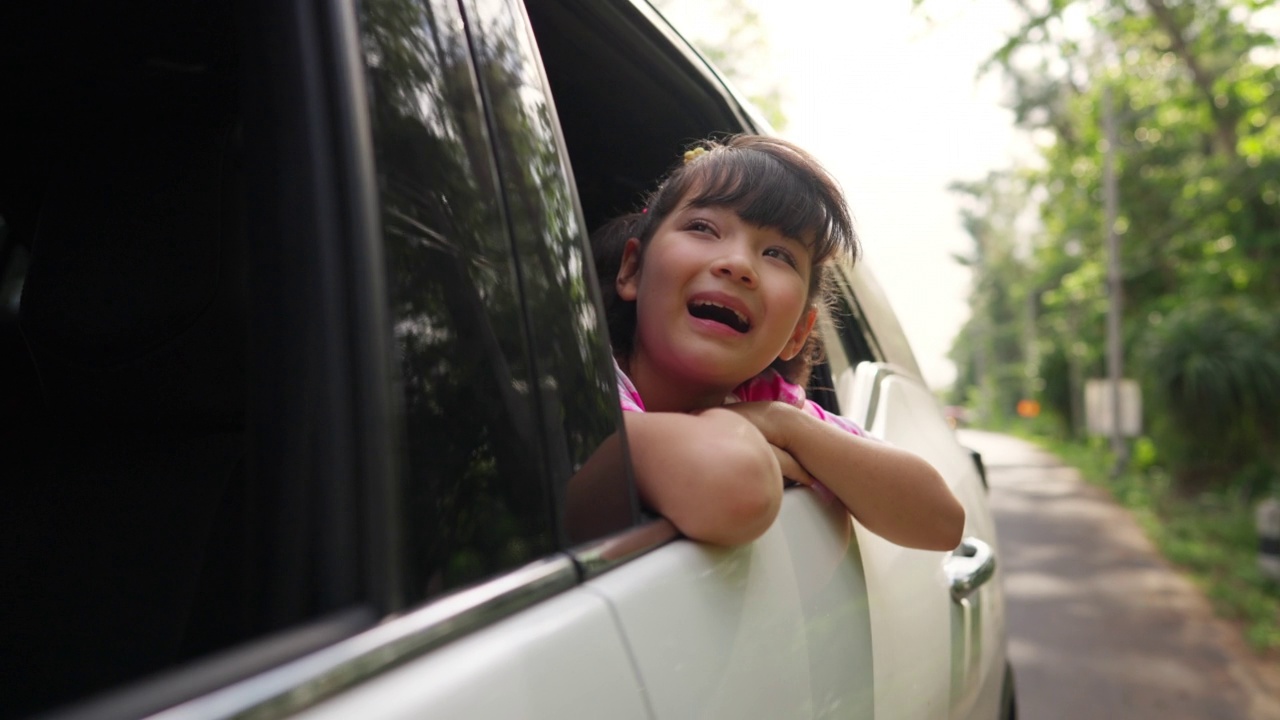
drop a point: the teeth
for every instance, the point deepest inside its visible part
(741, 318)
(743, 323)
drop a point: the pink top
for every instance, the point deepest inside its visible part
(768, 385)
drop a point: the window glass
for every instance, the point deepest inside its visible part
(473, 497)
(576, 389)
(849, 324)
(844, 346)
(13, 266)
(128, 537)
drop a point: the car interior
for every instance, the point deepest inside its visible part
(136, 414)
(124, 365)
(129, 362)
(629, 107)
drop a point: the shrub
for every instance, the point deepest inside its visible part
(1212, 371)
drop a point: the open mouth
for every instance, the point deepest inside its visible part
(714, 312)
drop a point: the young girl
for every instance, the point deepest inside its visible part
(711, 295)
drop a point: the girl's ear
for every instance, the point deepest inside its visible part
(629, 271)
(803, 327)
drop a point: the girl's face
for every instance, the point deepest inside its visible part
(717, 299)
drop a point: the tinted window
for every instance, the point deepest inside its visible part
(13, 266)
(576, 396)
(473, 497)
(135, 521)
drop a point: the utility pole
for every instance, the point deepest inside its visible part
(1115, 305)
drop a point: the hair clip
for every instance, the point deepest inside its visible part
(694, 154)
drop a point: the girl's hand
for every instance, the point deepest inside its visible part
(791, 469)
(773, 419)
(892, 492)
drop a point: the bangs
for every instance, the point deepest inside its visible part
(765, 191)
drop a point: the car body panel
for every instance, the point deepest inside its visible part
(562, 658)
(775, 628)
(913, 614)
(888, 397)
(911, 417)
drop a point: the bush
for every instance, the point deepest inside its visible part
(1212, 372)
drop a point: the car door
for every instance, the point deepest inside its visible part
(939, 609)
(775, 628)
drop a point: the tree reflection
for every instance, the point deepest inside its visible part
(576, 383)
(472, 502)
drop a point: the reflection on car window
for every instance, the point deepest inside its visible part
(576, 386)
(473, 497)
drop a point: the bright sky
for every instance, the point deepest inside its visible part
(889, 102)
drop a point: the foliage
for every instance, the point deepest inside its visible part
(993, 359)
(1213, 371)
(1197, 175)
(736, 44)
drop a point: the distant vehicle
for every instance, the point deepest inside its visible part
(309, 407)
(957, 415)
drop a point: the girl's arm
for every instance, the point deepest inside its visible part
(712, 474)
(894, 493)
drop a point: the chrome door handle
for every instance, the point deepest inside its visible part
(969, 566)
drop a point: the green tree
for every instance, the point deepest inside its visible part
(737, 45)
(994, 355)
(1198, 175)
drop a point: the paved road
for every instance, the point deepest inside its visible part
(1099, 626)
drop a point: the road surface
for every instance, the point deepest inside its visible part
(1100, 627)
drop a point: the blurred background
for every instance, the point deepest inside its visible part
(1074, 206)
(890, 99)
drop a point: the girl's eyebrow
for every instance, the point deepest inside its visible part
(808, 246)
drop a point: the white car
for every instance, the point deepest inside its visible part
(309, 407)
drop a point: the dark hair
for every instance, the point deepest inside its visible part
(607, 243)
(768, 182)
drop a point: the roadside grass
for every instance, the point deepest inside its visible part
(1212, 536)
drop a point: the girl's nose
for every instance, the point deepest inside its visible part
(737, 268)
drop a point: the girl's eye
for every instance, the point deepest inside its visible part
(701, 226)
(782, 254)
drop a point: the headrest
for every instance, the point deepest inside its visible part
(134, 303)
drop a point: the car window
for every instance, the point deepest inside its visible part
(879, 325)
(850, 328)
(13, 267)
(157, 510)
(131, 468)
(576, 387)
(628, 100)
(845, 343)
(473, 500)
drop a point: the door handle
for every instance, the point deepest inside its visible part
(969, 566)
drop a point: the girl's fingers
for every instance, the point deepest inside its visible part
(791, 470)
(757, 414)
